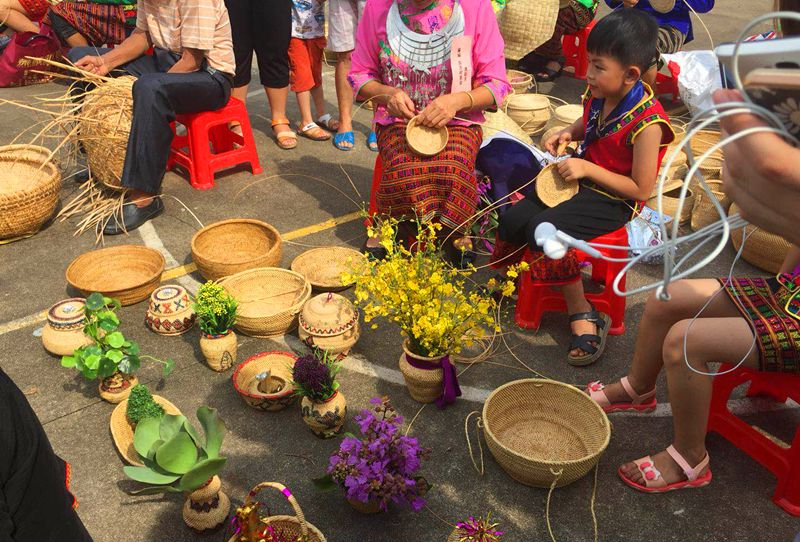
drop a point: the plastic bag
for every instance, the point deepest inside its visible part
(644, 231)
(699, 78)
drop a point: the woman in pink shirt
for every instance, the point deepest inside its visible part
(404, 61)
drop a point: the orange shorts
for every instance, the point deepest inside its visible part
(305, 63)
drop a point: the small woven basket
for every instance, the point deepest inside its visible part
(763, 249)
(323, 267)
(551, 187)
(663, 6)
(543, 432)
(122, 429)
(670, 201)
(269, 300)
(425, 140)
(497, 121)
(711, 167)
(293, 526)
(563, 116)
(704, 213)
(520, 81)
(129, 273)
(530, 111)
(703, 141)
(279, 366)
(29, 187)
(230, 246)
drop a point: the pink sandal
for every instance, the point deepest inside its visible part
(639, 403)
(653, 481)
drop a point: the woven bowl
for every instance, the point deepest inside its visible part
(425, 140)
(279, 365)
(703, 141)
(763, 249)
(323, 267)
(551, 187)
(663, 6)
(269, 300)
(520, 81)
(122, 429)
(29, 189)
(231, 246)
(704, 212)
(671, 199)
(535, 428)
(128, 273)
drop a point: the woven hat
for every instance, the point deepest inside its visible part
(425, 140)
(526, 24)
(551, 187)
(663, 6)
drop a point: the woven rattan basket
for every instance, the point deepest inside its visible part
(526, 24)
(704, 213)
(530, 111)
(671, 199)
(269, 300)
(425, 140)
(543, 431)
(551, 187)
(323, 267)
(563, 116)
(763, 249)
(122, 429)
(663, 6)
(279, 366)
(703, 141)
(498, 121)
(128, 273)
(293, 526)
(29, 189)
(711, 167)
(521, 82)
(228, 247)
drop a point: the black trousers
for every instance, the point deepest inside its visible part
(157, 97)
(263, 26)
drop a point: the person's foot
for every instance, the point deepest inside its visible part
(344, 139)
(134, 216)
(663, 462)
(328, 122)
(583, 327)
(548, 73)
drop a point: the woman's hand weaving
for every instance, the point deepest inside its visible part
(442, 110)
(400, 105)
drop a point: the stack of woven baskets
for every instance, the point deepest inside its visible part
(29, 186)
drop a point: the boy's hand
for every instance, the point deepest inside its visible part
(557, 140)
(573, 169)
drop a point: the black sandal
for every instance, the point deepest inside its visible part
(584, 342)
(532, 63)
(375, 253)
(548, 75)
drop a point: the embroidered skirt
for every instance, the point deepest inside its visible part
(763, 302)
(441, 187)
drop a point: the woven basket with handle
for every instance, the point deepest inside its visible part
(293, 526)
(29, 186)
(763, 249)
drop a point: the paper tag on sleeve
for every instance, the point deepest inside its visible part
(461, 63)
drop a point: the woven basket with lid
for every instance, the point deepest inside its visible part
(231, 246)
(63, 332)
(563, 116)
(29, 186)
(330, 322)
(763, 249)
(530, 111)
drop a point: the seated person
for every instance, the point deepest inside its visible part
(675, 27)
(96, 22)
(624, 133)
(20, 16)
(191, 70)
(547, 60)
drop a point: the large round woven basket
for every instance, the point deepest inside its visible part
(763, 249)
(497, 121)
(29, 186)
(530, 111)
(105, 124)
(122, 429)
(671, 200)
(279, 366)
(323, 267)
(269, 300)
(526, 24)
(230, 246)
(294, 527)
(128, 273)
(543, 431)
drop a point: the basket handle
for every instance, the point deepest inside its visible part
(478, 426)
(286, 493)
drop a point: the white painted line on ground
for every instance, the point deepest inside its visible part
(152, 240)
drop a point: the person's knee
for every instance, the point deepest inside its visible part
(147, 87)
(675, 347)
(344, 57)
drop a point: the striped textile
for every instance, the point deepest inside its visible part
(100, 24)
(36, 9)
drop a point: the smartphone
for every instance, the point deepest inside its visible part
(778, 91)
(781, 53)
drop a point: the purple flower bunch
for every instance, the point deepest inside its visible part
(382, 465)
(315, 378)
(478, 530)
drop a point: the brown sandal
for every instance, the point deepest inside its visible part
(286, 140)
(313, 132)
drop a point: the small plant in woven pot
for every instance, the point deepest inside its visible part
(382, 467)
(216, 312)
(111, 357)
(141, 405)
(323, 406)
(478, 529)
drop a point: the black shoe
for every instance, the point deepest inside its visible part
(375, 253)
(133, 217)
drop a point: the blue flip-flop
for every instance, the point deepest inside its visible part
(372, 142)
(344, 137)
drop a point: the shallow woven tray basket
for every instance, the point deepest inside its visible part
(538, 428)
(29, 187)
(122, 430)
(269, 300)
(551, 187)
(323, 267)
(230, 246)
(128, 273)
(294, 526)
(425, 140)
(763, 249)
(497, 121)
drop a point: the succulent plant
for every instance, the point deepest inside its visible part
(141, 405)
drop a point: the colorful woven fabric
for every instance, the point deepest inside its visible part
(441, 187)
(36, 9)
(100, 24)
(778, 334)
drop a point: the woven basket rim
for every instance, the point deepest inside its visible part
(253, 221)
(255, 357)
(591, 404)
(412, 125)
(119, 413)
(571, 108)
(79, 260)
(50, 177)
(273, 270)
(528, 102)
(300, 260)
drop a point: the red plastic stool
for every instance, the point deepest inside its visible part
(667, 85)
(575, 55)
(536, 298)
(191, 151)
(782, 459)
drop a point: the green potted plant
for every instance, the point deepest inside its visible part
(178, 459)
(110, 357)
(324, 406)
(141, 405)
(216, 311)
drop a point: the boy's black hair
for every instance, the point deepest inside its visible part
(628, 35)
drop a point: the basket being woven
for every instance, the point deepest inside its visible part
(29, 186)
(323, 267)
(763, 249)
(551, 187)
(122, 429)
(526, 24)
(231, 246)
(425, 140)
(269, 300)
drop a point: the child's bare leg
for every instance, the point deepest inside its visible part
(318, 95)
(576, 301)
(304, 104)
(709, 340)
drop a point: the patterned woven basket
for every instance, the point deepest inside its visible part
(230, 246)
(122, 429)
(29, 187)
(543, 432)
(269, 300)
(704, 213)
(497, 121)
(279, 366)
(763, 249)
(323, 267)
(129, 273)
(526, 24)
(293, 526)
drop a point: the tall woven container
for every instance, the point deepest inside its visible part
(498, 121)
(763, 249)
(704, 213)
(671, 200)
(29, 186)
(530, 111)
(526, 24)
(543, 432)
(424, 385)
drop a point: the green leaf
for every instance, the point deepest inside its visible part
(151, 455)
(132, 349)
(170, 426)
(147, 476)
(145, 435)
(115, 339)
(95, 302)
(129, 364)
(213, 427)
(178, 455)
(68, 361)
(324, 483)
(89, 374)
(107, 368)
(201, 472)
(114, 355)
(152, 490)
(107, 325)
(198, 440)
(92, 362)
(93, 350)
(168, 366)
